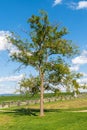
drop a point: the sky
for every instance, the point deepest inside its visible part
(13, 18)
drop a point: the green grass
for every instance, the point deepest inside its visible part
(53, 120)
(58, 116)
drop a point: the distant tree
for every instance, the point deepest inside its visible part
(45, 51)
(29, 85)
(71, 83)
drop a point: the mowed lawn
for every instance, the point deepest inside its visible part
(59, 115)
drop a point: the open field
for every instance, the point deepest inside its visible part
(59, 115)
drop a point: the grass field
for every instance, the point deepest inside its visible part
(58, 116)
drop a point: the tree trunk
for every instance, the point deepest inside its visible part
(41, 95)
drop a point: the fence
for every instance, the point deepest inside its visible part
(30, 102)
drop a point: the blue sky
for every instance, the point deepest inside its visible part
(13, 17)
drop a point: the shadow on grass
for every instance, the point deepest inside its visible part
(28, 111)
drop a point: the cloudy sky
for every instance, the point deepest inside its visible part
(13, 17)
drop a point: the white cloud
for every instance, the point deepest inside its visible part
(82, 59)
(9, 85)
(72, 5)
(8, 89)
(82, 81)
(56, 2)
(12, 78)
(79, 5)
(3, 40)
(5, 44)
(74, 68)
(84, 74)
(78, 61)
(82, 5)
(13, 49)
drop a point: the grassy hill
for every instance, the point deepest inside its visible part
(59, 115)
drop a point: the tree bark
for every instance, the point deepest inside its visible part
(41, 95)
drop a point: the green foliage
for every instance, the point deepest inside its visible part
(29, 85)
(47, 49)
(47, 43)
(71, 82)
(57, 73)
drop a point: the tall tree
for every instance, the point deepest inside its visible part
(45, 51)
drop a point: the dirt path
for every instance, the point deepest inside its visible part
(6, 111)
(80, 111)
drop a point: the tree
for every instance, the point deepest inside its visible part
(71, 82)
(29, 85)
(45, 51)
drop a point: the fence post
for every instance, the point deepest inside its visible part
(8, 104)
(18, 103)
